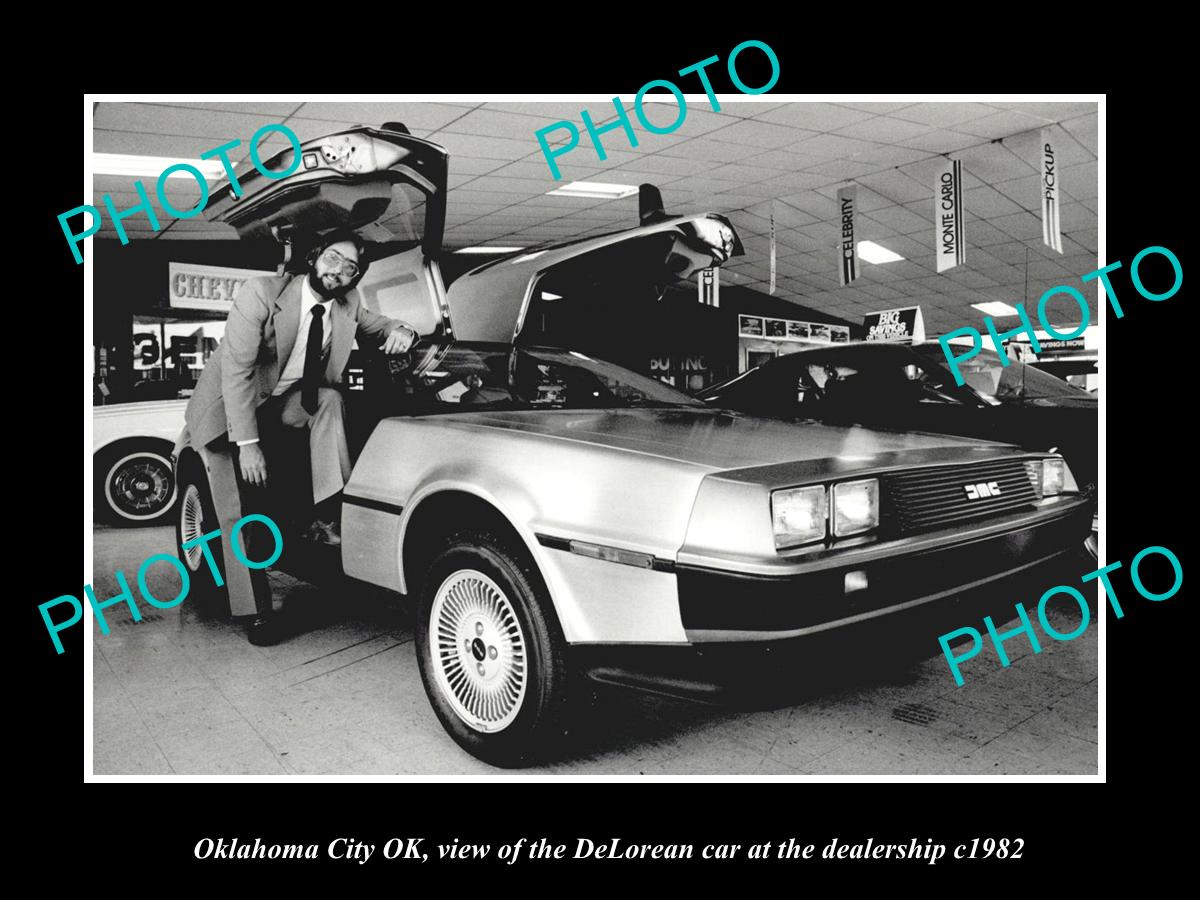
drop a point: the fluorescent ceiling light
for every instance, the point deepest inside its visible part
(873, 253)
(595, 190)
(153, 166)
(995, 308)
(483, 248)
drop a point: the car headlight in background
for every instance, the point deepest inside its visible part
(1057, 478)
(855, 507)
(799, 515)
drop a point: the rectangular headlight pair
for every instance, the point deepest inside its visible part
(802, 515)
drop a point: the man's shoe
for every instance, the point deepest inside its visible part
(328, 533)
(265, 630)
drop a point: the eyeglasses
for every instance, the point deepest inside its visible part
(333, 258)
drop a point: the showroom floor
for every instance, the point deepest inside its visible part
(180, 694)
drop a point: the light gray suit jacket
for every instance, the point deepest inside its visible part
(259, 336)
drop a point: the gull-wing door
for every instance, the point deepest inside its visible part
(382, 182)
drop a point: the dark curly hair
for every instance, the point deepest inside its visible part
(339, 235)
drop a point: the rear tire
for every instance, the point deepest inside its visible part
(194, 517)
(491, 652)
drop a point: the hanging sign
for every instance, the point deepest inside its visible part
(947, 216)
(771, 290)
(1051, 232)
(708, 283)
(847, 248)
(905, 325)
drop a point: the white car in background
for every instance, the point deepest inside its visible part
(133, 479)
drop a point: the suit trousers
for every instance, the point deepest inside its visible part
(249, 591)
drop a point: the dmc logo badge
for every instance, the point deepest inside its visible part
(983, 489)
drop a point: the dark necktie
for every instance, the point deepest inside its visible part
(311, 380)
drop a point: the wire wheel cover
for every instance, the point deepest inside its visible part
(478, 651)
(191, 525)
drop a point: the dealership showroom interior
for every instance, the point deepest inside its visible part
(682, 435)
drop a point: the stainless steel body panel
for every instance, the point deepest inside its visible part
(543, 482)
(682, 486)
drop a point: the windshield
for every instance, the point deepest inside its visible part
(986, 375)
(862, 375)
(473, 377)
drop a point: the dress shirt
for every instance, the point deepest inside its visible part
(293, 371)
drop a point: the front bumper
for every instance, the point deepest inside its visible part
(732, 606)
(750, 635)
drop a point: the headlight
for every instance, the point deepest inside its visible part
(855, 507)
(1057, 478)
(799, 515)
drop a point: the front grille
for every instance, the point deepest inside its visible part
(937, 497)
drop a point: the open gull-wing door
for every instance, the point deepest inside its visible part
(382, 182)
(608, 276)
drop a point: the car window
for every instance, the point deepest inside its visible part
(986, 375)
(884, 381)
(569, 379)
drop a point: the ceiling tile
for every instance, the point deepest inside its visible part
(709, 150)
(814, 116)
(489, 123)
(473, 165)
(987, 203)
(1000, 124)
(1083, 129)
(792, 182)
(833, 147)
(764, 135)
(873, 107)
(174, 148)
(490, 147)
(219, 126)
(844, 169)
(899, 220)
(885, 129)
(896, 186)
(940, 141)
(414, 115)
(890, 156)
(1054, 111)
(944, 115)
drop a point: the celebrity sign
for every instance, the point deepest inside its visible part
(847, 253)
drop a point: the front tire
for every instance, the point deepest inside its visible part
(491, 652)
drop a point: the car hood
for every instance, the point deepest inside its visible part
(722, 440)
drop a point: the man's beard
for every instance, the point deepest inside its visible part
(319, 286)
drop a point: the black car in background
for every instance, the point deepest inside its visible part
(910, 388)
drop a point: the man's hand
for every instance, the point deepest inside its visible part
(254, 464)
(399, 340)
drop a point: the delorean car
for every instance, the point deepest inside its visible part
(554, 515)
